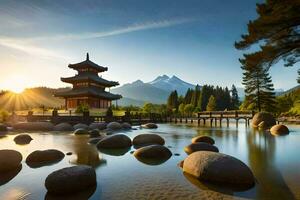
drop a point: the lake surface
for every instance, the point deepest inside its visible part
(275, 162)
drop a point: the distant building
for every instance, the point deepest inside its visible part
(88, 87)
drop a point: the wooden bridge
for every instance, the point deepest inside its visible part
(214, 117)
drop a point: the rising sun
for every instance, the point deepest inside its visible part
(16, 84)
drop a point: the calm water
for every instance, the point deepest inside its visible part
(275, 162)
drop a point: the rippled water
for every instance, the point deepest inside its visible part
(275, 162)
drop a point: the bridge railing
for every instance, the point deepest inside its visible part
(226, 114)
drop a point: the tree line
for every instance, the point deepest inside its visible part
(205, 98)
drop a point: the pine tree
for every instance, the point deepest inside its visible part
(276, 31)
(206, 92)
(172, 103)
(188, 96)
(259, 88)
(195, 96)
(298, 80)
(234, 98)
(211, 106)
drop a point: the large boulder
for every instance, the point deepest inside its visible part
(23, 139)
(126, 126)
(203, 138)
(81, 126)
(46, 157)
(9, 160)
(218, 168)
(265, 117)
(98, 125)
(81, 131)
(34, 126)
(200, 146)
(279, 129)
(114, 126)
(147, 139)
(95, 140)
(114, 141)
(3, 128)
(63, 127)
(71, 180)
(149, 126)
(153, 152)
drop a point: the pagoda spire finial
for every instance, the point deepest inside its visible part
(87, 56)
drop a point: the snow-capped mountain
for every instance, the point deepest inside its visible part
(171, 83)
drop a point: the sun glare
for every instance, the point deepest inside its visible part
(16, 84)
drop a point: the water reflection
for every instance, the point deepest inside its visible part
(152, 161)
(115, 152)
(262, 148)
(5, 177)
(84, 195)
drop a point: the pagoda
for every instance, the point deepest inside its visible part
(88, 87)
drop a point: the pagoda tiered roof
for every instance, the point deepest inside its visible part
(87, 64)
(88, 91)
(89, 77)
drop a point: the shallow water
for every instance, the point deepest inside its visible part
(275, 162)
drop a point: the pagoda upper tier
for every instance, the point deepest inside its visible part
(87, 65)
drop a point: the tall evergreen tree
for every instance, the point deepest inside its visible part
(172, 103)
(234, 98)
(276, 31)
(195, 96)
(188, 96)
(259, 88)
(206, 92)
(211, 106)
(298, 80)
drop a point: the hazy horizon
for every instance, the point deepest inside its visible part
(134, 39)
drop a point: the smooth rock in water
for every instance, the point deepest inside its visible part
(147, 139)
(126, 126)
(200, 146)
(3, 127)
(279, 129)
(45, 157)
(100, 125)
(115, 141)
(81, 131)
(23, 139)
(9, 160)
(149, 126)
(114, 126)
(69, 153)
(203, 138)
(34, 126)
(63, 127)
(153, 152)
(218, 168)
(94, 133)
(71, 180)
(81, 126)
(265, 117)
(95, 140)
(262, 126)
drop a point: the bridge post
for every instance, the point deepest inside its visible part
(215, 122)
(211, 121)
(204, 121)
(227, 122)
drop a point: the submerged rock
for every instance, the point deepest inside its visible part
(200, 146)
(34, 126)
(114, 126)
(95, 140)
(147, 139)
(203, 138)
(149, 126)
(153, 152)
(94, 133)
(279, 129)
(126, 126)
(63, 127)
(218, 168)
(71, 180)
(114, 141)
(81, 126)
(9, 160)
(23, 139)
(100, 125)
(45, 157)
(81, 131)
(265, 117)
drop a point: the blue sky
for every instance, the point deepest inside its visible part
(136, 39)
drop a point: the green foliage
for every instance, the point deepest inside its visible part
(195, 96)
(235, 102)
(181, 108)
(188, 109)
(298, 80)
(3, 115)
(276, 31)
(82, 108)
(172, 103)
(259, 88)
(109, 112)
(289, 104)
(247, 104)
(211, 106)
(154, 108)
